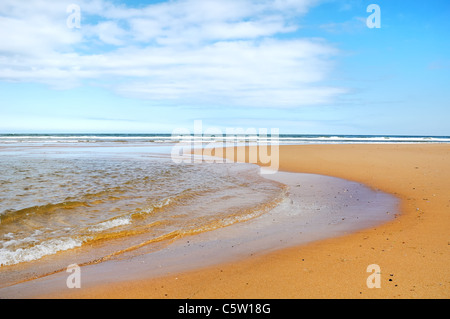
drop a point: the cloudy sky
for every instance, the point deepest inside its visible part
(303, 66)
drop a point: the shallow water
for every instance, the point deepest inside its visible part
(100, 201)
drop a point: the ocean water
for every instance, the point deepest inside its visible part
(164, 139)
(101, 200)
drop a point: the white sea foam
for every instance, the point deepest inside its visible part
(111, 224)
(283, 138)
(49, 247)
(159, 204)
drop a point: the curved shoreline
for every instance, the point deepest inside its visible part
(406, 249)
(315, 207)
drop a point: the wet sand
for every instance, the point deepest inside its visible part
(412, 250)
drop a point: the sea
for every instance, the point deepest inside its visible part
(100, 195)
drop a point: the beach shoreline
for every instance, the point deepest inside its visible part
(411, 250)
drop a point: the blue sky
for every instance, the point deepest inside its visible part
(302, 66)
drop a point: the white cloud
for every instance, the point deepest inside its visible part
(185, 52)
(36, 34)
(110, 33)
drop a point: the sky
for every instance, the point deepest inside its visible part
(301, 66)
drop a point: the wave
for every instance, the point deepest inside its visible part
(113, 223)
(123, 228)
(205, 226)
(10, 216)
(168, 138)
(49, 247)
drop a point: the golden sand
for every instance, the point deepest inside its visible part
(413, 251)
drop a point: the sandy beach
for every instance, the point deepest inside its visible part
(412, 250)
(187, 149)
